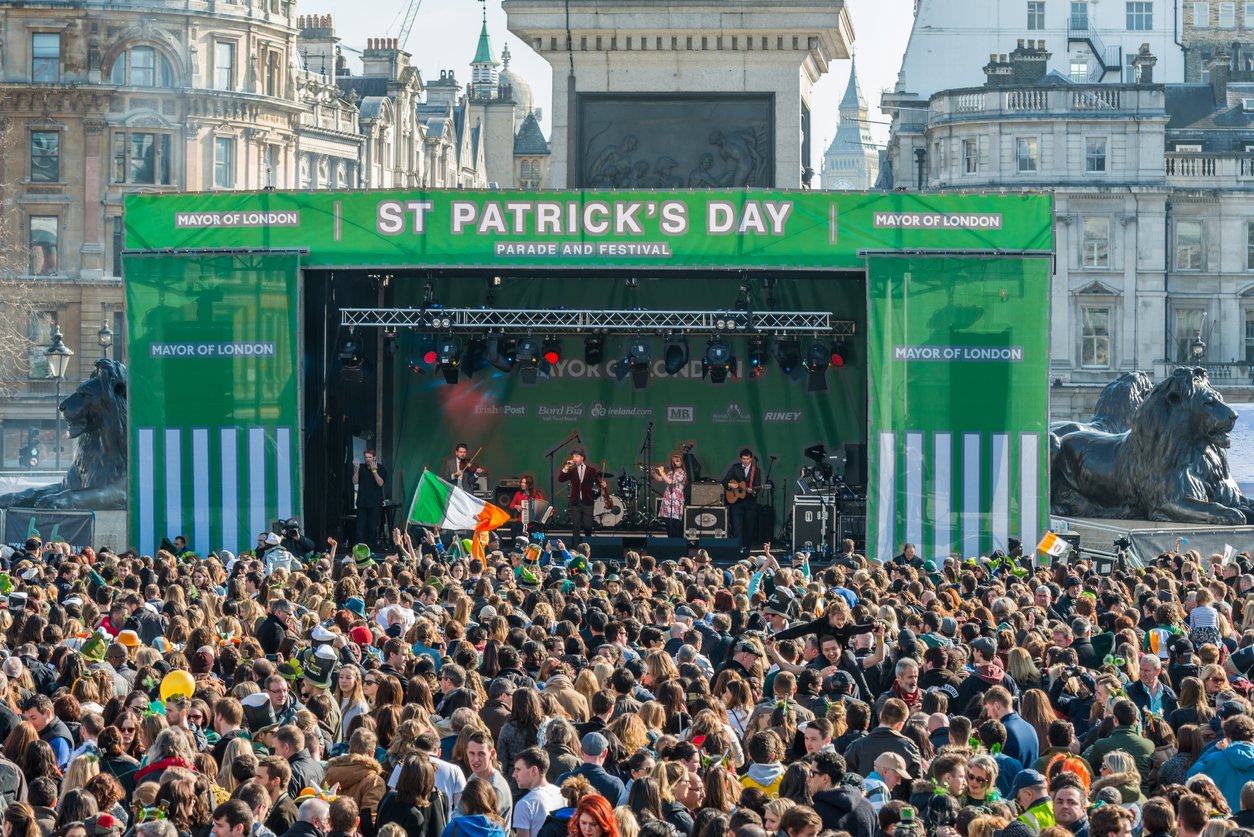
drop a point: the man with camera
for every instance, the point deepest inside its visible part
(294, 542)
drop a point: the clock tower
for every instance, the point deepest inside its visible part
(852, 161)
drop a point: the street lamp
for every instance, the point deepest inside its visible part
(105, 336)
(1197, 348)
(59, 356)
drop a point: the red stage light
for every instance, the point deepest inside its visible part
(837, 360)
(430, 357)
(551, 358)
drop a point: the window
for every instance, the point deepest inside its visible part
(1140, 15)
(1201, 15)
(1095, 247)
(45, 156)
(39, 336)
(1095, 155)
(1036, 14)
(119, 244)
(43, 245)
(1227, 16)
(1027, 154)
(1079, 15)
(224, 65)
(970, 156)
(1095, 336)
(1189, 322)
(224, 162)
(1188, 245)
(1249, 245)
(1249, 336)
(1248, 13)
(141, 157)
(45, 50)
(142, 67)
(1079, 70)
(272, 166)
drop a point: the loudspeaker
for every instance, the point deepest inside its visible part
(705, 522)
(706, 494)
(855, 464)
(666, 548)
(607, 547)
(723, 551)
(502, 496)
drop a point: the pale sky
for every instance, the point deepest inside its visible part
(446, 31)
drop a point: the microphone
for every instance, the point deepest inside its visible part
(578, 438)
(774, 457)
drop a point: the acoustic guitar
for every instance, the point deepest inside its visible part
(737, 491)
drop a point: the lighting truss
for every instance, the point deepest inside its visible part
(589, 321)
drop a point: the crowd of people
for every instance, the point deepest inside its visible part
(425, 693)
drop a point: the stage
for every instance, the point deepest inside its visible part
(1147, 539)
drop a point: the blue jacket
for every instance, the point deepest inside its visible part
(1230, 768)
(476, 825)
(1022, 743)
(1007, 769)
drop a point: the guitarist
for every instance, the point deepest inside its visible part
(585, 487)
(742, 482)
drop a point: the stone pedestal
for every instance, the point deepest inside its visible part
(775, 49)
(111, 530)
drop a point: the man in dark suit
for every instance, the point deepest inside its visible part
(585, 487)
(742, 515)
(458, 470)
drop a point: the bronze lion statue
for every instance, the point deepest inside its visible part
(1115, 408)
(95, 414)
(1171, 465)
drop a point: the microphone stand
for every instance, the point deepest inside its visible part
(565, 443)
(766, 480)
(646, 453)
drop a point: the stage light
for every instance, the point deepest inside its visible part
(635, 362)
(757, 357)
(390, 342)
(594, 350)
(838, 356)
(475, 356)
(527, 350)
(552, 352)
(788, 356)
(351, 359)
(449, 357)
(675, 354)
(500, 353)
(718, 361)
(818, 358)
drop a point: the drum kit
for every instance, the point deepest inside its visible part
(627, 504)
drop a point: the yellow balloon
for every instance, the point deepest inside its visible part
(177, 682)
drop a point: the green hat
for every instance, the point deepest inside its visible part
(362, 556)
(94, 648)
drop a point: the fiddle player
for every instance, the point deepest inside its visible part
(585, 486)
(460, 471)
(672, 509)
(742, 514)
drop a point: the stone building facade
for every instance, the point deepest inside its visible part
(1212, 28)
(1154, 243)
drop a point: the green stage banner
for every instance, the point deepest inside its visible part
(214, 406)
(958, 358)
(684, 229)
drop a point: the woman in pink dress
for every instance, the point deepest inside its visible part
(672, 510)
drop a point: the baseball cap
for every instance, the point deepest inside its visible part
(893, 762)
(684, 612)
(594, 744)
(1025, 779)
(985, 646)
(272, 539)
(949, 626)
(1181, 646)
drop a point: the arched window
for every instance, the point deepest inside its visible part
(142, 66)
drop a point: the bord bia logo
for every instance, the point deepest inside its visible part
(560, 412)
(681, 415)
(782, 416)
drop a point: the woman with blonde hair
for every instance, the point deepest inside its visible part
(236, 749)
(659, 668)
(587, 684)
(1119, 771)
(78, 772)
(775, 809)
(653, 717)
(986, 825)
(1192, 707)
(1021, 666)
(672, 784)
(631, 731)
(1215, 681)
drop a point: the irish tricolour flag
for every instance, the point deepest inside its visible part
(442, 504)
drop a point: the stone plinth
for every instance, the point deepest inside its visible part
(778, 48)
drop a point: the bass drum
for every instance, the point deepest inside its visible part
(609, 514)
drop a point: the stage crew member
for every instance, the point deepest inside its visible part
(459, 470)
(371, 480)
(743, 481)
(672, 510)
(585, 487)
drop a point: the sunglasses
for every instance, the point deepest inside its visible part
(128, 729)
(977, 780)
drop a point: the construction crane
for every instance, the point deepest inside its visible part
(407, 23)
